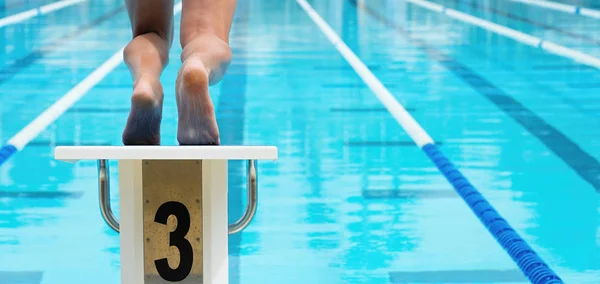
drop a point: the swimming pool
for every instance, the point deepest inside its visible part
(351, 198)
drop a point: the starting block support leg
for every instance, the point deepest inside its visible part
(173, 219)
(215, 225)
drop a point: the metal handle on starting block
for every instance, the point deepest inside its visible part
(252, 193)
(238, 226)
(104, 195)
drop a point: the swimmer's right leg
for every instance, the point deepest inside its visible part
(146, 56)
(206, 55)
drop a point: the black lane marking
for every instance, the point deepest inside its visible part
(98, 110)
(21, 277)
(47, 143)
(365, 109)
(384, 143)
(458, 276)
(40, 194)
(408, 194)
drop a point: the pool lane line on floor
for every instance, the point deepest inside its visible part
(532, 266)
(39, 11)
(56, 110)
(553, 48)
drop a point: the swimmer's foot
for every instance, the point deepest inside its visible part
(197, 123)
(143, 124)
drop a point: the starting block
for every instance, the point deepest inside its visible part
(173, 207)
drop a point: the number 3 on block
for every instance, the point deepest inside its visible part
(176, 239)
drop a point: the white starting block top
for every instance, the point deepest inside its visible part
(76, 153)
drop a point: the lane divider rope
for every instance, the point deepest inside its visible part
(39, 11)
(556, 49)
(566, 8)
(532, 266)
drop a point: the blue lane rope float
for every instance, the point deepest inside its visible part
(6, 152)
(534, 268)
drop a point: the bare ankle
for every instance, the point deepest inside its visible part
(146, 55)
(214, 54)
(147, 88)
(206, 44)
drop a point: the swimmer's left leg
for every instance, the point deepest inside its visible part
(146, 56)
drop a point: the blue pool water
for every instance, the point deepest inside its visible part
(351, 198)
